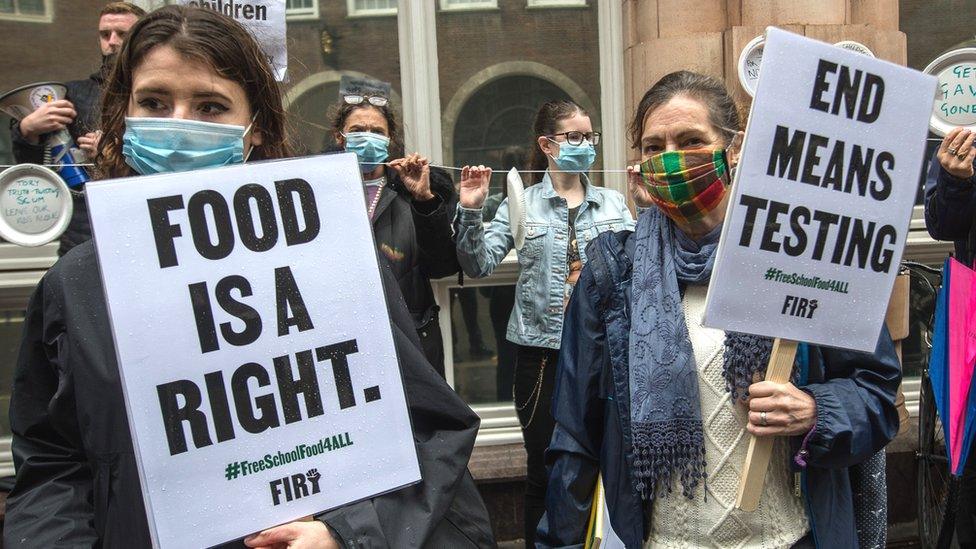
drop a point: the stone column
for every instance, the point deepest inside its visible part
(662, 36)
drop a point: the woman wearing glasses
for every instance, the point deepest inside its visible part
(410, 206)
(563, 213)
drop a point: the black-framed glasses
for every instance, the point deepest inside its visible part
(576, 138)
(357, 99)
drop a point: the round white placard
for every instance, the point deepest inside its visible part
(35, 205)
(955, 98)
(749, 61)
(516, 207)
(855, 47)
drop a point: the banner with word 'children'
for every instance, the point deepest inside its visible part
(823, 195)
(254, 345)
(265, 19)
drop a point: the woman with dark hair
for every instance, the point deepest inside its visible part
(661, 407)
(410, 206)
(564, 212)
(192, 90)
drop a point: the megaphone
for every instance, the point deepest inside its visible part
(60, 150)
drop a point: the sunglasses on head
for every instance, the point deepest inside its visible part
(358, 99)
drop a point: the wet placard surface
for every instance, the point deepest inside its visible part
(254, 344)
(823, 194)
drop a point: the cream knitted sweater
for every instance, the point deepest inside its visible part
(712, 521)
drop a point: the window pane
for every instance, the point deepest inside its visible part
(6, 6)
(484, 361)
(324, 51)
(11, 325)
(31, 7)
(373, 5)
(299, 4)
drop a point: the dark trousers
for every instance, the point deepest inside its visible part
(533, 404)
(966, 511)
(500, 301)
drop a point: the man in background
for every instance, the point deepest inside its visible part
(79, 112)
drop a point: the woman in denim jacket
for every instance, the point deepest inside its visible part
(564, 212)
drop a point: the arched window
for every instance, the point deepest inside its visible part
(309, 118)
(494, 127)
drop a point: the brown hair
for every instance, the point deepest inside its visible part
(340, 113)
(113, 8)
(549, 115)
(722, 112)
(202, 35)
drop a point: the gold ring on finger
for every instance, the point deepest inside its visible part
(762, 419)
(961, 154)
(952, 151)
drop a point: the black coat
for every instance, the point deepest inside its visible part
(950, 209)
(77, 483)
(417, 239)
(86, 96)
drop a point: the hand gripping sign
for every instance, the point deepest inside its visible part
(254, 345)
(820, 206)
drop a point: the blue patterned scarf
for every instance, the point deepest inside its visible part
(666, 423)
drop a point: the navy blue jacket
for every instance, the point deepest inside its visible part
(950, 210)
(856, 416)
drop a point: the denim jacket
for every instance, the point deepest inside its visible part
(537, 318)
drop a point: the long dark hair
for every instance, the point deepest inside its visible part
(341, 111)
(202, 35)
(722, 111)
(549, 115)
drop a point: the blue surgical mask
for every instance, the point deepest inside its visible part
(371, 148)
(165, 145)
(575, 158)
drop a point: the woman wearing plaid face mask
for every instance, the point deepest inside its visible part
(663, 407)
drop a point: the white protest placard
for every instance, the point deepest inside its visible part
(254, 344)
(35, 205)
(820, 208)
(955, 101)
(265, 19)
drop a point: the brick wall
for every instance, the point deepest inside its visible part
(65, 49)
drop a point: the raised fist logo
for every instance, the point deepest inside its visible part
(313, 476)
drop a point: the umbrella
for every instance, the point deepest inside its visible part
(961, 352)
(951, 373)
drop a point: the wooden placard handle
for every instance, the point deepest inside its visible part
(760, 448)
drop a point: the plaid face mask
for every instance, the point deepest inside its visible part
(686, 185)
